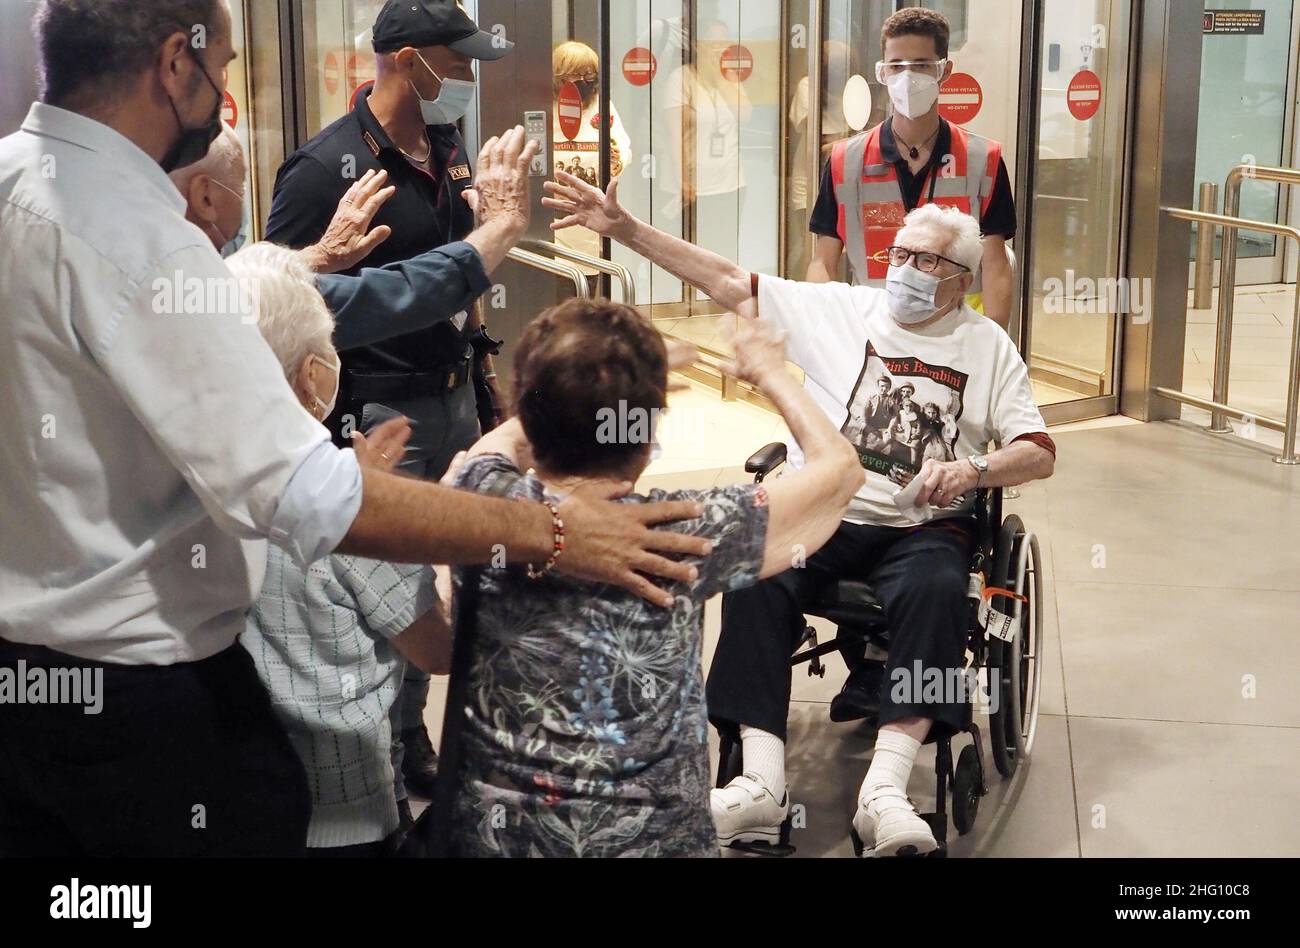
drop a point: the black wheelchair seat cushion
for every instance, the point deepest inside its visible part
(848, 603)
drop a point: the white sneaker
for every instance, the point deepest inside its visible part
(745, 811)
(888, 825)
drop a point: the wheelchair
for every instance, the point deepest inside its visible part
(1004, 649)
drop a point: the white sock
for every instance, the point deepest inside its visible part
(764, 758)
(891, 766)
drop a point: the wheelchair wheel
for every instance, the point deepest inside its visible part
(966, 790)
(1016, 665)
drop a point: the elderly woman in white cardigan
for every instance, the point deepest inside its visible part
(330, 643)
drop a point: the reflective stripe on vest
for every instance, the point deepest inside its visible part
(872, 201)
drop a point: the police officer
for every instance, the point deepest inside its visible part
(406, 125)
(875, 179)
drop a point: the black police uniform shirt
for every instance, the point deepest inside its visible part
(1000, 221)
(427, 211)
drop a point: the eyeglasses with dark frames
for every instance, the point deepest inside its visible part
(926, 262)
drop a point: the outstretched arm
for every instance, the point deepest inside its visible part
(585, 206)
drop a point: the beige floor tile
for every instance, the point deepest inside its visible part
(1147, 652)
(1149, 788)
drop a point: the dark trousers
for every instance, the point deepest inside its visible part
(441, 427)
(182, 760)
(920, 576)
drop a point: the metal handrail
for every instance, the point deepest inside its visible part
(1228, 273)
(554, 267)
(616, 270)
(1218, 406)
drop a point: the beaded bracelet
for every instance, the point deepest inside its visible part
(533, 572)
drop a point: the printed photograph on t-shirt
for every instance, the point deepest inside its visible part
(904, 411)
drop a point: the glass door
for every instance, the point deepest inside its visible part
(1247, 80)
(698, 87)
(1077, 291)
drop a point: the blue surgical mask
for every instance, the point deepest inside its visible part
(912, 294)
(453, 100)
(234, 244)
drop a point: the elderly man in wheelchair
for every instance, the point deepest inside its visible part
(922, 385)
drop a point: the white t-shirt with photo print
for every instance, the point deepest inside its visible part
(901, 395)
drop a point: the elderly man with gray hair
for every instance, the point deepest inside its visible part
(919, 332)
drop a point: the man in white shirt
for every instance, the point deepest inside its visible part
(151, 435)
(919, 333)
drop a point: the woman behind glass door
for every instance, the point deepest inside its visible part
(580, 156)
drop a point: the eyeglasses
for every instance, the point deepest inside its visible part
(925, 262)
(930, 67)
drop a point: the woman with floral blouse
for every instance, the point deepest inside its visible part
(585, 733)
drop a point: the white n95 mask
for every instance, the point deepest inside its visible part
(913, 93)
(912, 294)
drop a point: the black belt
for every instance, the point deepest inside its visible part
(369, 387)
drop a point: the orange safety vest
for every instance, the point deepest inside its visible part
(871, 201)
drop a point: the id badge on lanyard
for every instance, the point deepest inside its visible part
(717, 145)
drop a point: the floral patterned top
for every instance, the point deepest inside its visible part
(586, 732)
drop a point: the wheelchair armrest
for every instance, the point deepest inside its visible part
(766, 461)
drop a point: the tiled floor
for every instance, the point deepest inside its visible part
(1170, 715)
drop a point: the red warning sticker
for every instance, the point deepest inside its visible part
(737, 64)
(640, 66)
(569, 111)
(357, 93)
(961, 98)
(332, 72)
(230, 110)
(1084, 95)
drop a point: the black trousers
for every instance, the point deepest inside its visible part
(920, 576)
(182, 760)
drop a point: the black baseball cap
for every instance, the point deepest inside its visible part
(421, 23)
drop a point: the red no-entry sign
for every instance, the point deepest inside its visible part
(1084, 95)
(640, 66)
(569, 111)
(737, 64)
(332, 72)
(357, 93)
(229, 110)
(961, 98)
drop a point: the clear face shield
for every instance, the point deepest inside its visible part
(933, 68)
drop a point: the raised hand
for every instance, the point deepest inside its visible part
(349, 240)
(500, 193)
(585, 206)
(759, 352)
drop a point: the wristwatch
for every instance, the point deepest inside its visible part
(981, 465)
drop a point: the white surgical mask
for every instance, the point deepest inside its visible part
(328, 407)
(912, 294)
(913, 93)
(453, 100)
